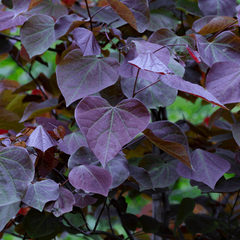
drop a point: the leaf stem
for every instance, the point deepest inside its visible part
(135, 84)
(109, 219)
(146, 87)
(96, 224)
(89, 14)
(99, 10)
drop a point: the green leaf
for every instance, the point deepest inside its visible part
(189, 6)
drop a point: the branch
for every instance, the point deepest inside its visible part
(89, 15)
(96, 224)
(135, 84)
(109, 219)
(99, 10)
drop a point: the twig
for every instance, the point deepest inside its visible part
(13, 234)
(96, 224)
(13, 38)
(89, 14)
(109, 219)
(84, 219)
(135, 84)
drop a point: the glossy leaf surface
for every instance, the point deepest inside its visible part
(106, 128)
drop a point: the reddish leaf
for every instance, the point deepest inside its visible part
(40, 139)
(59, 132)
(170, 138)
(106, 128)
(194, 54)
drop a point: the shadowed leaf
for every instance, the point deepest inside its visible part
(170, 138)
(82, 200)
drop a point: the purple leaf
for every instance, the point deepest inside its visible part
(79, 76)
(91, 179)
(16, 173)
(218, 7)
(8, 211)
(82, 156)
(106, 128)
(162, 18)
(118, 168)
(149, 62)
(127, 70)
(141, 176)
(177, 82)
(41, 139)
(236, 131)
(158, 95)
(162, 173)
(223, 82)
(63, 204)
(64, 23)
(82, 200)
(207, 167)
(37, 34)
(20, 6)
(72, 142)
(86, 41)
(48, 8)
(7, 21)
(39, 193)
(223, 48)
(167, 37)
(170, 138)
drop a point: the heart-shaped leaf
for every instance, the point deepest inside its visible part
(106, 128)
(86, 41)
(118, 168)
(223, 80)
(91, 179)
(170, 138)
(37, 34)
(223, 48)
(177, 82)
(207, 167)
(20, 6)
(162, 173)
(158, 95)
(236, 131)
(16, 173)
(218, 7)
(72, 142)
(63, 204)
(39, 193)
(41, 139)
(79, 76)
(149, 62)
